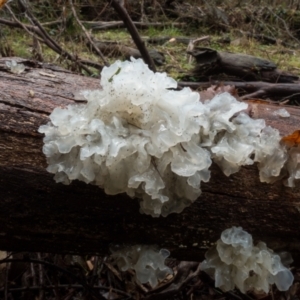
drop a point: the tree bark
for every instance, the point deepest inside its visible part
(37, 214)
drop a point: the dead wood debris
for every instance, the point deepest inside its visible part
(255, 89)
(210, 62)
(119, 24)
(121, 10)
(51, 276)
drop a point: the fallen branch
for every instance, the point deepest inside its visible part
(253, 89)
(51, 44)
(240, 66)
(266, 39)
(21, 25)
(160, 40)
(49, 41)
(119, 24)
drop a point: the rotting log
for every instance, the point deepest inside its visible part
(244, 67)
(37, 214)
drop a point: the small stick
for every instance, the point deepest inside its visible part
(41, 279)
(49, 41)
(117, 5)
(87, 34)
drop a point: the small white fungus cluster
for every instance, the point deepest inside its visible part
(283, 113)
(236, 262)
(14, 67)
(146, 261)
(139, 136)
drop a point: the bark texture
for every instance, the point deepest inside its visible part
(36, 214)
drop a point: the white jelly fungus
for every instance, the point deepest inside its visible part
(147, 262)
(236, 262)
(282, 113)
(14, 67)
(140, 136)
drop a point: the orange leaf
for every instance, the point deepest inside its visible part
(2, 2)
(292, 139)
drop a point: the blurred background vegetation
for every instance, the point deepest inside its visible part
(267, 29)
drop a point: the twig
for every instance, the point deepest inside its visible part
(49, 41)
(95, 270)
(53, 266)
(285, 25)
(21, 24)
(6, 282)
(289, 96)
(32, 273)
(41, 278)
(65, 286)
(102, 11)
(87, 34)
(257, 94)
(192, 44)
(182, 278)
(143, 16)
(117, 24)
(134, 33)
(43, 33)
(38, 32)
(52, 23)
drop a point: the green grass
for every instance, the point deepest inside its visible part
(177, 62)
(116, 35)
(166, 31)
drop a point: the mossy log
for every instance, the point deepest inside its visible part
(37, 214)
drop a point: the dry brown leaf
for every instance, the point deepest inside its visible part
(209, 93)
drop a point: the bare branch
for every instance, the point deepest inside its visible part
(100, 25)
(21, 24)
(87, 34)
(116, 4)
(49, 41)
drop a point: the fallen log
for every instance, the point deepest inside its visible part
(241, 66)
(37, 214)
(253, 89)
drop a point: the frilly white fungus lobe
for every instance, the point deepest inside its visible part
(236, 262)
